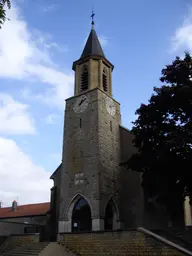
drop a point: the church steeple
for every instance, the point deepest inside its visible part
(92, 69)
(92, 46)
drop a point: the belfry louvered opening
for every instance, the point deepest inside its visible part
(105, 86)
(84, 78)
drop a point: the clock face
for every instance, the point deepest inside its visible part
(110, 106)
(81, 104)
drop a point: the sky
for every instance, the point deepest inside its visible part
(37, 48)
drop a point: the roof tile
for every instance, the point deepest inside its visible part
(25, 210)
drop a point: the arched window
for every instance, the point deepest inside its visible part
(84, 78)
(105, 86)
(111, 216)
(81, 217)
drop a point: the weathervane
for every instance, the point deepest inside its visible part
(92, 16)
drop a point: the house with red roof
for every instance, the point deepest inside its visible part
(22, 219)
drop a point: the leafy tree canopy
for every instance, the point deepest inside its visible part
(163, 135)
(3, 4)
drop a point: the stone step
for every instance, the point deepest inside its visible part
(36, 246)
(117, 244)
(20, 249)
(29, 249)
(24, 251)
(13, 254)
(21, 253)
(174, 238)
(10, 254)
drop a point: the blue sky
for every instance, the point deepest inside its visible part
(37, 48)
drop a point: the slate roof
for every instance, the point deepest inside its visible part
(93, 46)
(53, 174)
(25, 210)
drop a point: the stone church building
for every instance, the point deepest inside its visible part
(92, 191)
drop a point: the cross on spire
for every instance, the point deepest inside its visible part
(92, 16)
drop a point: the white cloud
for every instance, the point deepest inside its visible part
(103, 40)
(51, 119)
(17, 168)
(25, 55)
(49, 8)
(57, 47)
(182, 40)
(45, 40)
(14, 117)
(62, 85)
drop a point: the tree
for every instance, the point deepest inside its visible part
(3, 17)
(163, 136)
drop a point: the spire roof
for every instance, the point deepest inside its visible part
(92, 46)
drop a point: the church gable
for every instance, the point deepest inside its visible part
(126, 144)
(56, 175)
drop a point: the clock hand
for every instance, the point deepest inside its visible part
(81, 101)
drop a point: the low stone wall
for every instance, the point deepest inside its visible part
(14, 241)
(2, 239)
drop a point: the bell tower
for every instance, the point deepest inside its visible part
(92, 69)
(91, 146)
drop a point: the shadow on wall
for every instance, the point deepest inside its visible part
(14, 241)
(131, 203)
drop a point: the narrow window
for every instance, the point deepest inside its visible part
(84, 78)
(80, 123)
(105, 80)
(111, 128)
(30, 230)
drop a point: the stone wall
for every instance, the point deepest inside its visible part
(131, 203)
(136, 208)
(8, 228)
(187, 212)
(57, 181)
(91, 148)
(127, 146)
(55, 203)
(14, 241)
(2, 239)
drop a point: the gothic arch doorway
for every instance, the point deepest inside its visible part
(111, 216)
(81, 216)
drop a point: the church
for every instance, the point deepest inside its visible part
(92, 190)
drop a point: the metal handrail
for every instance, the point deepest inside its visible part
(178, 247)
